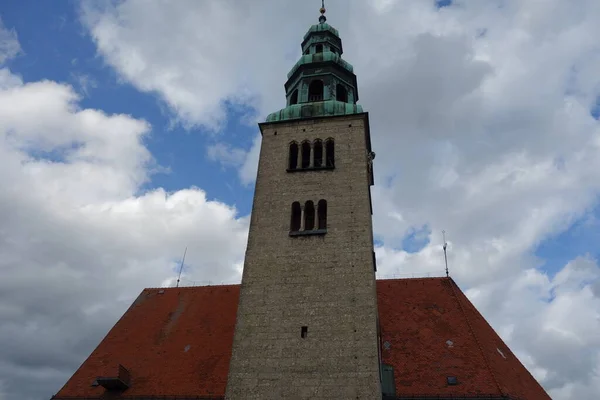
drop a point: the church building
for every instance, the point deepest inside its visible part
(309, 320)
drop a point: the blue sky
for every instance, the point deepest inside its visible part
(57, 47)
(470, 107)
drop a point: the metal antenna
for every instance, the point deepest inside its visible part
(445, 255)
(181, 268)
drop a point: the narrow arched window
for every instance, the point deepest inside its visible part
(315, 90)
(309, 216)
(318, 150)
(305, 154)
(293, 156)
(341, 94)
(329, 153)
(322, 212)
(294, 97)
(319, 48)
(296, 217)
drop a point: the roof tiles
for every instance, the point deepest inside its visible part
(178, 344)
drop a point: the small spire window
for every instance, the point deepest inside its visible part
(329, 153)
(341, 94)
(305, 155)
(309, 216)
(293, 162)
(316, 90)
(318, 153)
(294, 97)
(296, 217)
(319, 48)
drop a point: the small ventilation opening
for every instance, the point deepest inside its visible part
(452, 380)
(304, 332)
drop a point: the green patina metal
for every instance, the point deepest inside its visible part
(321, 84)
(321, 57)
(315, 109)
(321, 28)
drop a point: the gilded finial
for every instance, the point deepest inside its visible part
(322, 18)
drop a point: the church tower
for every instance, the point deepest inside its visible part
(307, 321)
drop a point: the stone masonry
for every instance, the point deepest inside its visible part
(323, 282)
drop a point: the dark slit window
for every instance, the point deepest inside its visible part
(294, 97)
(329, 153)
(305, 155)
(341, 93)
(315, 90)
(293, 156)
(318, 149)
(309, 216)
(322, 208)
(296, 217)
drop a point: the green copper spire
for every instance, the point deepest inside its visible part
(321, 83)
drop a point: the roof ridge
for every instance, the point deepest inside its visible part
(485, 360)
(193, 287)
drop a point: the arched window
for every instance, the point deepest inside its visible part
(322, 212)
(296, 217)
(341, 94)
(318, 149)
(319, 48)
(293, 155)
(305, 154)
(294, 97)
(315, 90)
(309, 216)
(329, 153)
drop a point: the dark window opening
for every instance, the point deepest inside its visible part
(452, 380)
(329, 153)
(293, 156)
(294, 97)
(296, 217)
(304, 332)
(305, 155)
(319, 48)
(318, 149)
(341, 94)
(374, 262)
(309, 216)
(316, 90)
(322, 208)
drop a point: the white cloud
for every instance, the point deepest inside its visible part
(480, 119)
(9, 44)
(78, 239)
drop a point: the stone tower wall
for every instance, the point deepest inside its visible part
(326, 283)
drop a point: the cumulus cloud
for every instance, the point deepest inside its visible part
(9, 44)
(78, 239)
(481, 121)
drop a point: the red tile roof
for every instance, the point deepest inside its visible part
(178, 343)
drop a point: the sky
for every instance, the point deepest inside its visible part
(128, 132)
